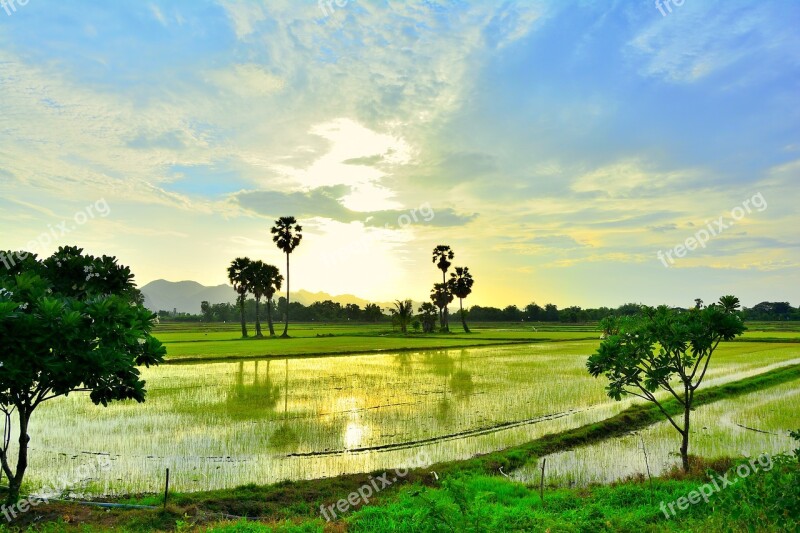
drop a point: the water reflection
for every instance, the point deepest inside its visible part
(255, 399)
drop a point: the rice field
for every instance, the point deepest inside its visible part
(757, 423)
(226, 423)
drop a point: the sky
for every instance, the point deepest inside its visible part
(580, 153)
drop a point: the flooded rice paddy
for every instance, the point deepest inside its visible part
(225, 424)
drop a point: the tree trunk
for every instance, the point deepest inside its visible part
(685, 442)
(445, 318)
(241, 310)
(286, 324)
(15, 481)
(258, 318)
(461, 309)
(269, 317)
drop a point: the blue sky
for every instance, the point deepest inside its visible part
(562, 145)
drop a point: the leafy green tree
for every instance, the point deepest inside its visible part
(372, 312)
(238, 276)
(205, 309)
(287, 234)
(427, 316)
(443, 257)
(404, 312)
(441, 298)
(69, 323)
(460, 284)
(664, 349)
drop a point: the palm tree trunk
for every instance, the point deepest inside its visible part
(286, 324)
(461, 309)
(258, 318)
(241, 310)
(269, 317)
(445, 318)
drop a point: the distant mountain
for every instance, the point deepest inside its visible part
(185, 296)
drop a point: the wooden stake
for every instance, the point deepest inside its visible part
(541, 483)
(166, 490)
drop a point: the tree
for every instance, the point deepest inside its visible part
(69, 323)
(372, 312)
(441, 297)
(534, 312)
(442, 257)
(264, 281)
(272, 280)
(664, 349)
(460, 285)
(404, 312)
(237, 275)
(205, 309)
(287, 234)
(427, 316)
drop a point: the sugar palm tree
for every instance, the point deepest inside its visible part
(238, 276)
(442, 256)
(460, 284)
(272, 280)
(258, 286)
(287, 234)
(441, 297)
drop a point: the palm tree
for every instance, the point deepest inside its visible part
(259, 283)
(441, 297)
(237, 275)
(404, 311)
(729, 303)
(442, 256)
(286, 234)
(273, 280)
(460, 284)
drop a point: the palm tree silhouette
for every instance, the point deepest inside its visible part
(238, 276)
(272, 284)
(442, 256)
(404, 311)
(729, 303)
(441, 297)
(460, 284)
(286, 234)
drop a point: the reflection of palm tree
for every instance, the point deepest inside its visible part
(284, 437)
(251, 400)
(442, 365)
(461, 380)
(404, 362)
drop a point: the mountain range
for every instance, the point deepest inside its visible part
(185, 296)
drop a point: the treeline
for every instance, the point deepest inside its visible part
(327, 311)
(549, 313)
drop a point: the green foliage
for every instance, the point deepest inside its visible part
(70, 323)
(768, 500)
